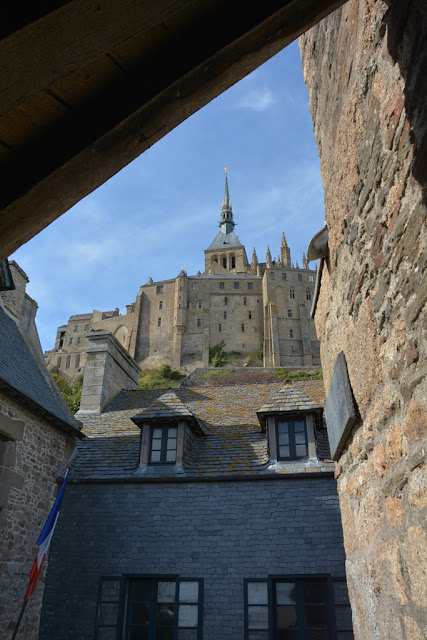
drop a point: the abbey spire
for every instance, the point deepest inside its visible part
(226, 223)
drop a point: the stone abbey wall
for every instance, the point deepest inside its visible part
(364, 68)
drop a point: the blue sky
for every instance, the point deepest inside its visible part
(161, 211)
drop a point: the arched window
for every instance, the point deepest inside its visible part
(224, 262)
(67, 364)
(292, 293)
(58, 362)
(77, 360)
(308, 294)
(233, 262)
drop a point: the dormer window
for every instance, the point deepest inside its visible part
(292, 441)
(163, 445)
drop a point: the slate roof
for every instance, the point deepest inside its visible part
(288, 398)
(225, 241)
(233, 442)
(22, 378)
(167, 406)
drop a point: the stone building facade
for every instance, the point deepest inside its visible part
(249, 305)
(365, 69)
(37, 438)
(188, 516)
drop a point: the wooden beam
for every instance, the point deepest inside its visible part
(90, 144)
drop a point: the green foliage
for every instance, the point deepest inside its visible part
(159, 377)
(260, 353)
(285, 374)
(235, 353)
(217, 355)
(72, 393)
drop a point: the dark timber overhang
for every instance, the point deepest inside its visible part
(88, 85)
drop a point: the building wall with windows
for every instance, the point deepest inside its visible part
(190, 511)
(246, 305)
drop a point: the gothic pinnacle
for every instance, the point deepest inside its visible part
(226, 208)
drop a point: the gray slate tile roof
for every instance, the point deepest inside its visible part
(225, 241)
(21, 377)
(168, 406)
(233, 442)
(288, 398)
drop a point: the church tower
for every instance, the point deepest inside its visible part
(226, 253)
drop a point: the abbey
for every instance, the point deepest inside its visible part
(248, 305)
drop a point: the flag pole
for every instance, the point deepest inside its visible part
(18, 622)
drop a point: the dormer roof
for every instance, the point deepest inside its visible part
(287, 399)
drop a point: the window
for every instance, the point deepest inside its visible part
(58, 362)
(159, 288)
(163, 445)
(199, 322)
(68, 362)
(236, 285)
(166, 608)
(199, 305)
(298, 608)
(61, 339)
(308, 294)
(219, 328)
(291, 334)
(284, 276)
(272, 275)
(159, 322)
(300, 277)
(77, 360)
(225, 315)
(233, 262)
(226, 301)
(76, 327)
(289, 313)
(311, 278)
(250, 285)
(292, 294)
(188, 304)
(194, 286)
(243, 328)
(250, 315)
(244, 301)
(221, 285)
(292, 440)
(86, 327)
(70, 342)
(79, 340)
(224, 263)
(160, 305)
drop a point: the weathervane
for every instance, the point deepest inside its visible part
(226, 169)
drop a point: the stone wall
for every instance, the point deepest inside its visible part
(108, 369)
(365, 70)
(222, 532)
(31, 455)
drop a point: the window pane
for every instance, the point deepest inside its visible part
(343, 618)
(165, 614)
(164, 634)
(283, 438)
(188, 615)
(286, 617)
(345, 635)
(316, 616)
(286, 593)
(166, 592)
(157, 433)
(257, 593)
(284, 634)
(300, 438)
(284, 452)
(257, 617)
(138, 634)
(282, 427)
(156, 445)
(155, 456)
(171, 443)
(141, 590)
(171, 456)
(187, 634)
(301, 450)
(317, 635)
(172, 431)
(188, 591)
(340, 592)
(314, 591)
(299, 425)
(108, 614)
(140, 613)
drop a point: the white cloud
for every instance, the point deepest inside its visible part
(256, 100)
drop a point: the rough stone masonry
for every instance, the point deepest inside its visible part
(364, 67)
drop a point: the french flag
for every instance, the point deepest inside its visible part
(44, 539)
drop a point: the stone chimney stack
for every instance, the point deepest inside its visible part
(109, 368)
